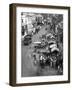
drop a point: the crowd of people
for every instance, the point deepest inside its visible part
(49, 51)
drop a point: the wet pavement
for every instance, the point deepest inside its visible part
(28, 68)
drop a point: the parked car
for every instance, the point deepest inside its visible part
(27, 39)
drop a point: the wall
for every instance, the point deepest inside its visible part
(4, 45)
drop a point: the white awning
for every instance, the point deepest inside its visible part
(54, 49)
(53, 45)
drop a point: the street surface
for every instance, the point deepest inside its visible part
(28, 68)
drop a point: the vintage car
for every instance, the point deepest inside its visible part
(27, 40)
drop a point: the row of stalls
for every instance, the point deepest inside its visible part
(46, 53)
